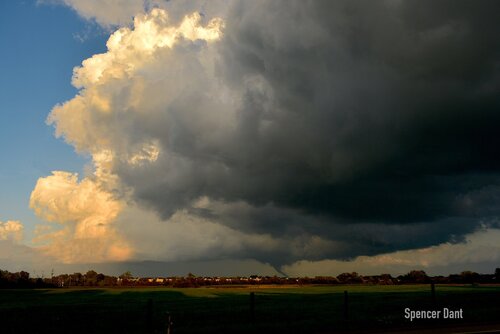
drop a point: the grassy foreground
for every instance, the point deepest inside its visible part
(308, 309)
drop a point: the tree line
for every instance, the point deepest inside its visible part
(91, 278)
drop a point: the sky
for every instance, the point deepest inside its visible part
(264, 137)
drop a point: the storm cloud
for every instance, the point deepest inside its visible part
(358, 127)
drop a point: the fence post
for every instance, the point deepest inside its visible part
(169, 323)
(150, 315)
(252, 306)
(346, 306)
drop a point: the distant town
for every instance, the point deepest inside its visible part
(91, 278)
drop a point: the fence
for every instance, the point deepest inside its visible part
(258, 311)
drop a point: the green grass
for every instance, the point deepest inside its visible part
(218, 310)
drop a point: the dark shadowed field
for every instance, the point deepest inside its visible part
(311, 309)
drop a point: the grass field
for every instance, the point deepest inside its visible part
(311, 309)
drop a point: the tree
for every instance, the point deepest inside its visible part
(100, 279)
(416, 276)
(76, 279)
(350, 278)
(126, 275)
(469, 276)
(91, 278)
(109, 281)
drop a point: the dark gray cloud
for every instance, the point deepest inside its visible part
(375, 110)
(378, 112)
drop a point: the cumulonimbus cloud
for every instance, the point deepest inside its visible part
(360, 127)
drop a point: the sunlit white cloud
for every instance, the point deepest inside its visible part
(86, 213)
(114, 82)
(118, 82)
(11, 230)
